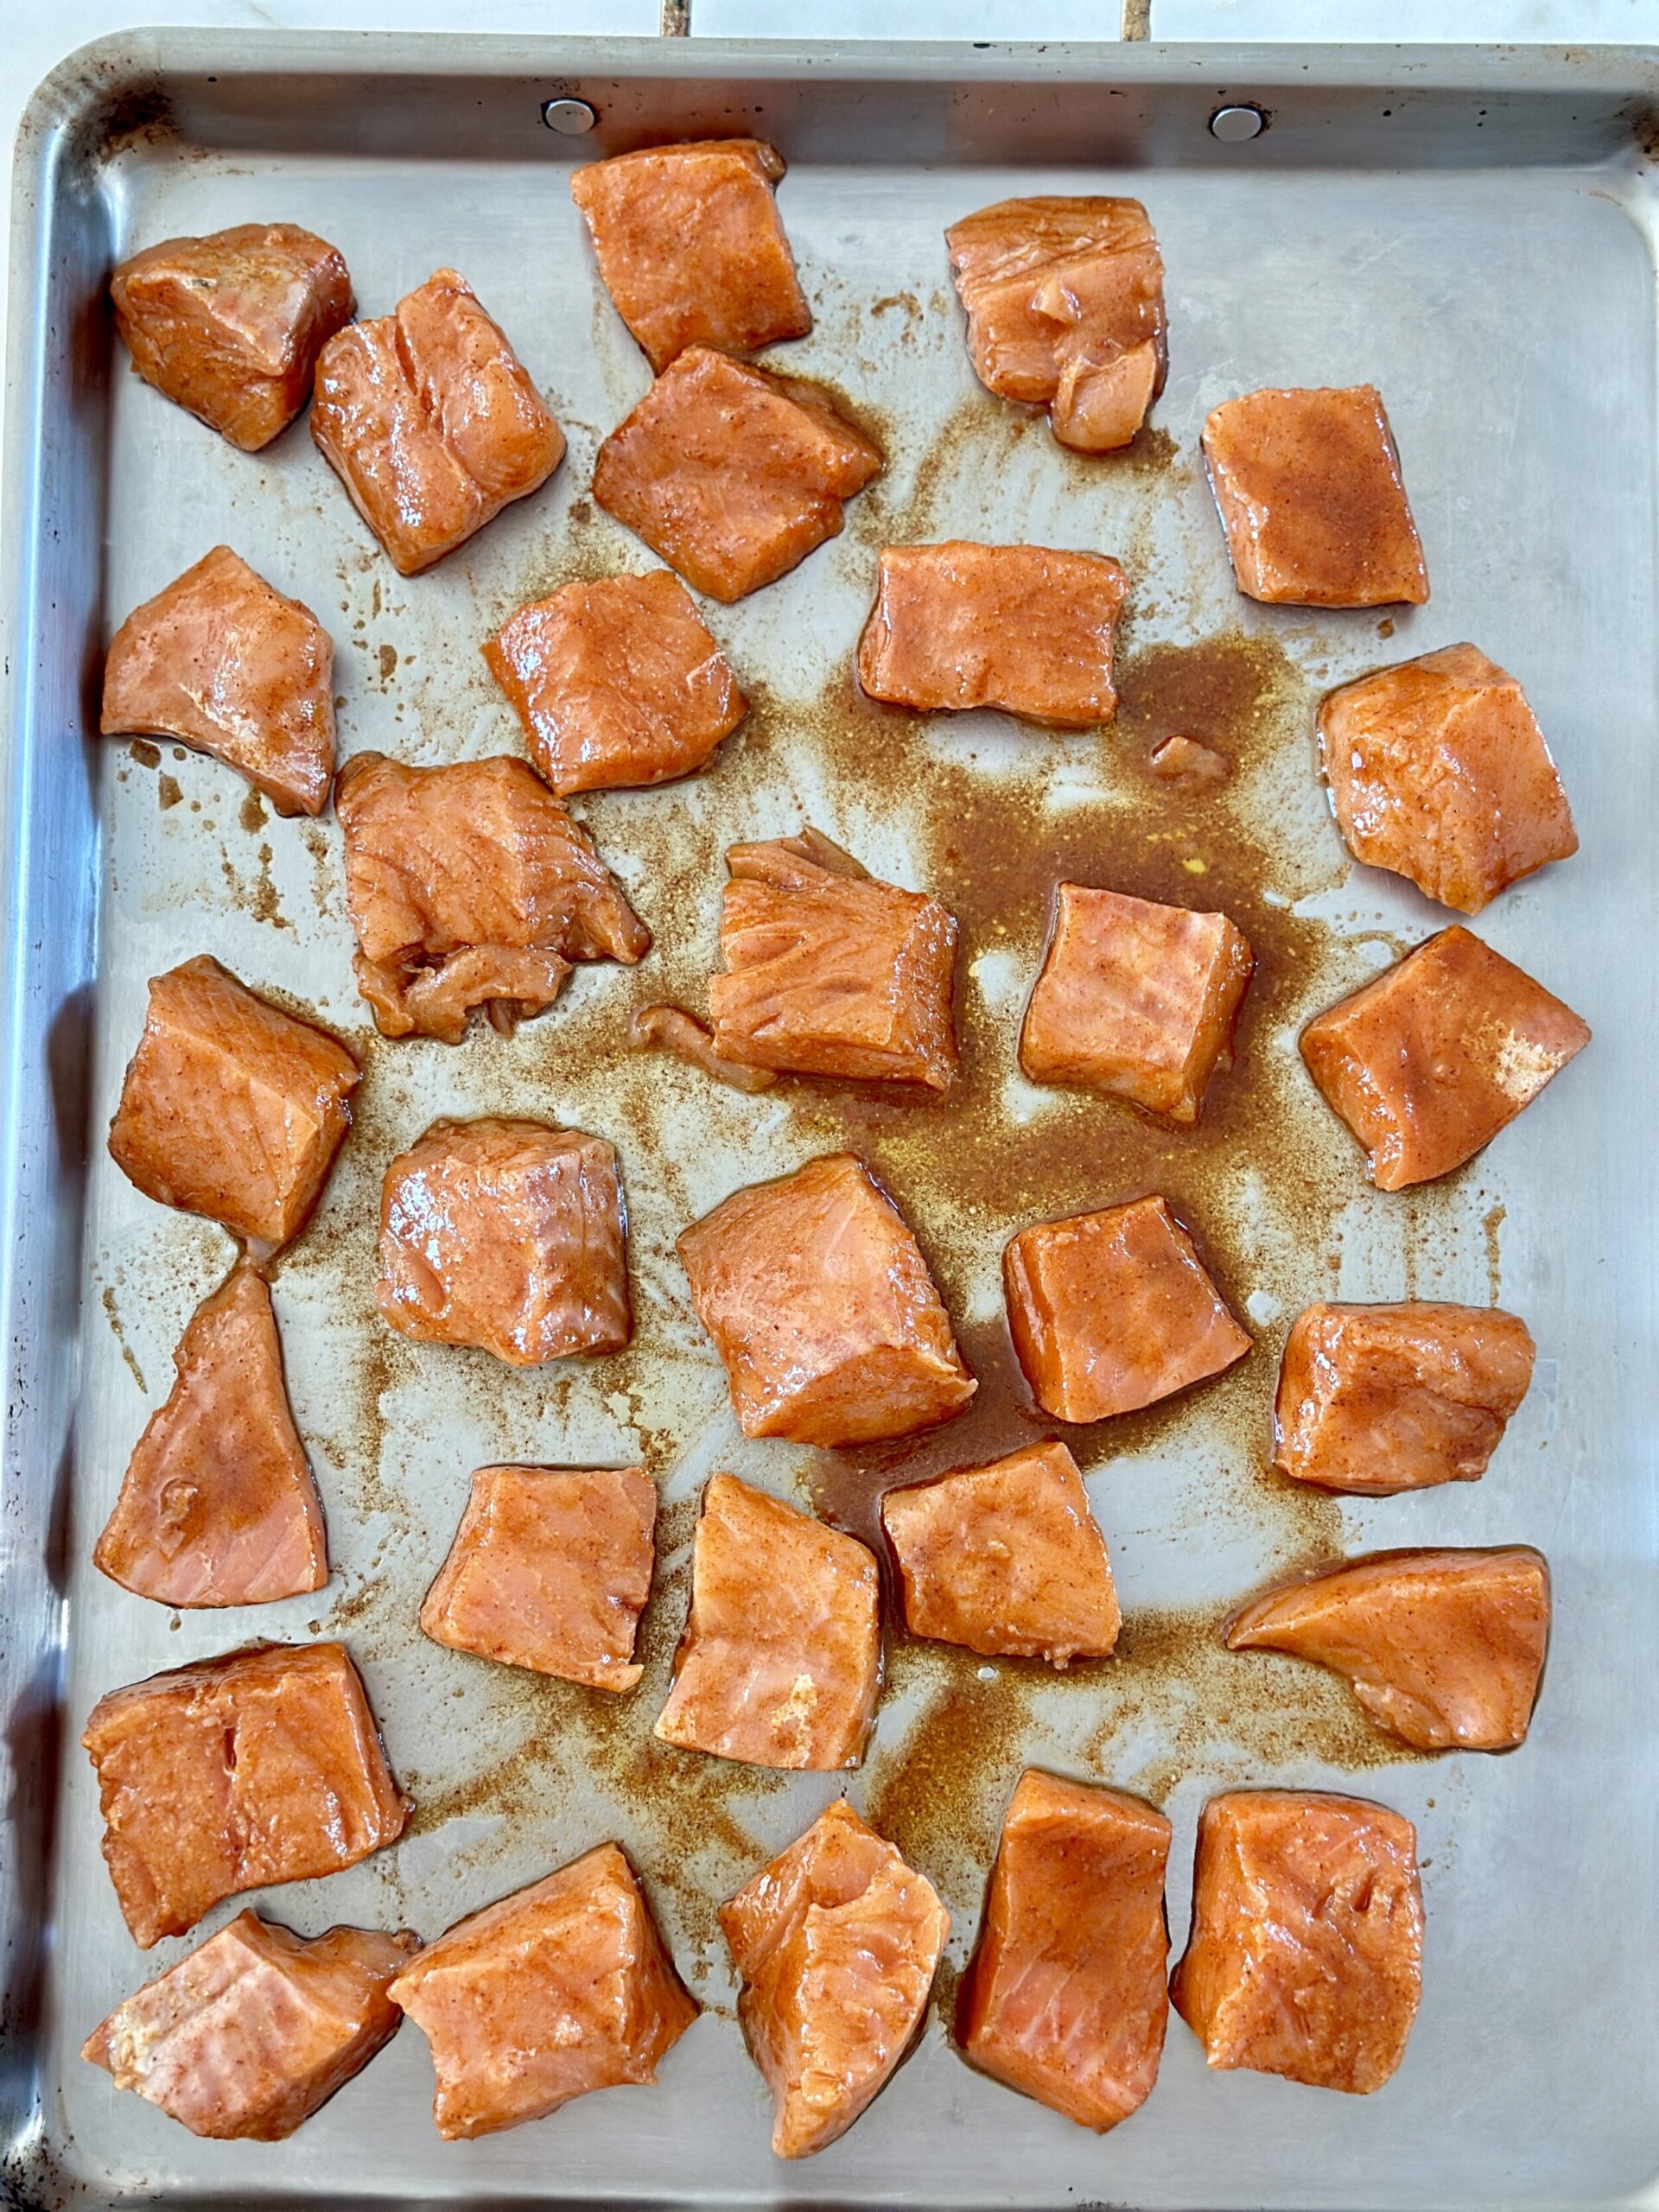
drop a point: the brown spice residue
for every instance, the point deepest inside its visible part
(144, 753)
(167, 793)
(251, 813)
(1491, 1222)
(113, 1314)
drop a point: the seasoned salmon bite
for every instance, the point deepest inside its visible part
(822, 1310)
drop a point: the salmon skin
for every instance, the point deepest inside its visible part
(218, 1506)
(223, 662)
(256, 2029)
(230, 326)
(837, 1941)
(262, 1766)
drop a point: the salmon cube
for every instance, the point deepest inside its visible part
(830, 973)
(690, 248)
(260, 1766)
(617, 682)
(1374, 1399)
(822, 1310)
(1306, 1954)
(837, 1941)
(469, 885)
(1065, 1997)
(1429, 1062)
(731, 475)
(550, 1569)
(509, 1236)
(431, 422)
(1112, 1310)
(781, 1660)
(1020, 628)
(1135, 999)
(222, 661)
(229, 326)
(1310, 497)
(230, 1107)
(218, 1506)
(256, 2029)
(1443, 1649)
(1006, 1559)
(560, 1988)
(1438, 771)
(1065, 300)
(670, 1029)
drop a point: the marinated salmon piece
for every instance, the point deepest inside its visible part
(617, 682)
(732, 475)
(780, 1664)
(230, 1107)
(507, 1236)
(670, 1029)
(1065, 1998)
(560, 1988)
(689, 244)
(431, 422)
(550, 1569)
(830, 973)
(1137, 999)
(230, 326)
(258, 2028)
(1429, 1062)
(1006, 1559)
(222, 661)
(1443, 1649)
(1065, 300)
(1374, 1399)
(218, 1506)
(822, 1310)
(1021, 627)
(1182, 759)
(469, 885)
(260, 1766)
(837, 1941)
(1310, 497)
(1112, 1310)
(1438, 771)
(1306, 1954)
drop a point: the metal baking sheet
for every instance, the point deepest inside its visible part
(1473, 231)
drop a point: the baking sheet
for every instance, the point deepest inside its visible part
(1489, 267)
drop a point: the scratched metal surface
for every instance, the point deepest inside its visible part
(1490, 268)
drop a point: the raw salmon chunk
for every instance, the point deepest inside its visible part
(232, 1108)
(1112, 1310)
(1438, 771)
(1306, 1954)
(730, 475)
(218, 1506)
(822, 1308)
(260, 1766)
(671, 1029)
(470, 886)
(1021, 627)
(230, 326)
(429, 420)
(1065, 1998)
(1429, 1062)
(560, 1988)
(1065, 300)
(617, 682)
(255, 2029)
(1136, 999)
(689, 245)
(837, 1941)
(1374, 1399)
(508, 1235)
(1310, 497)
(1006, 1559)
(1442, 1649)
(550, 1569)
(222, 661)
(829, 972)
(781, 1660)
